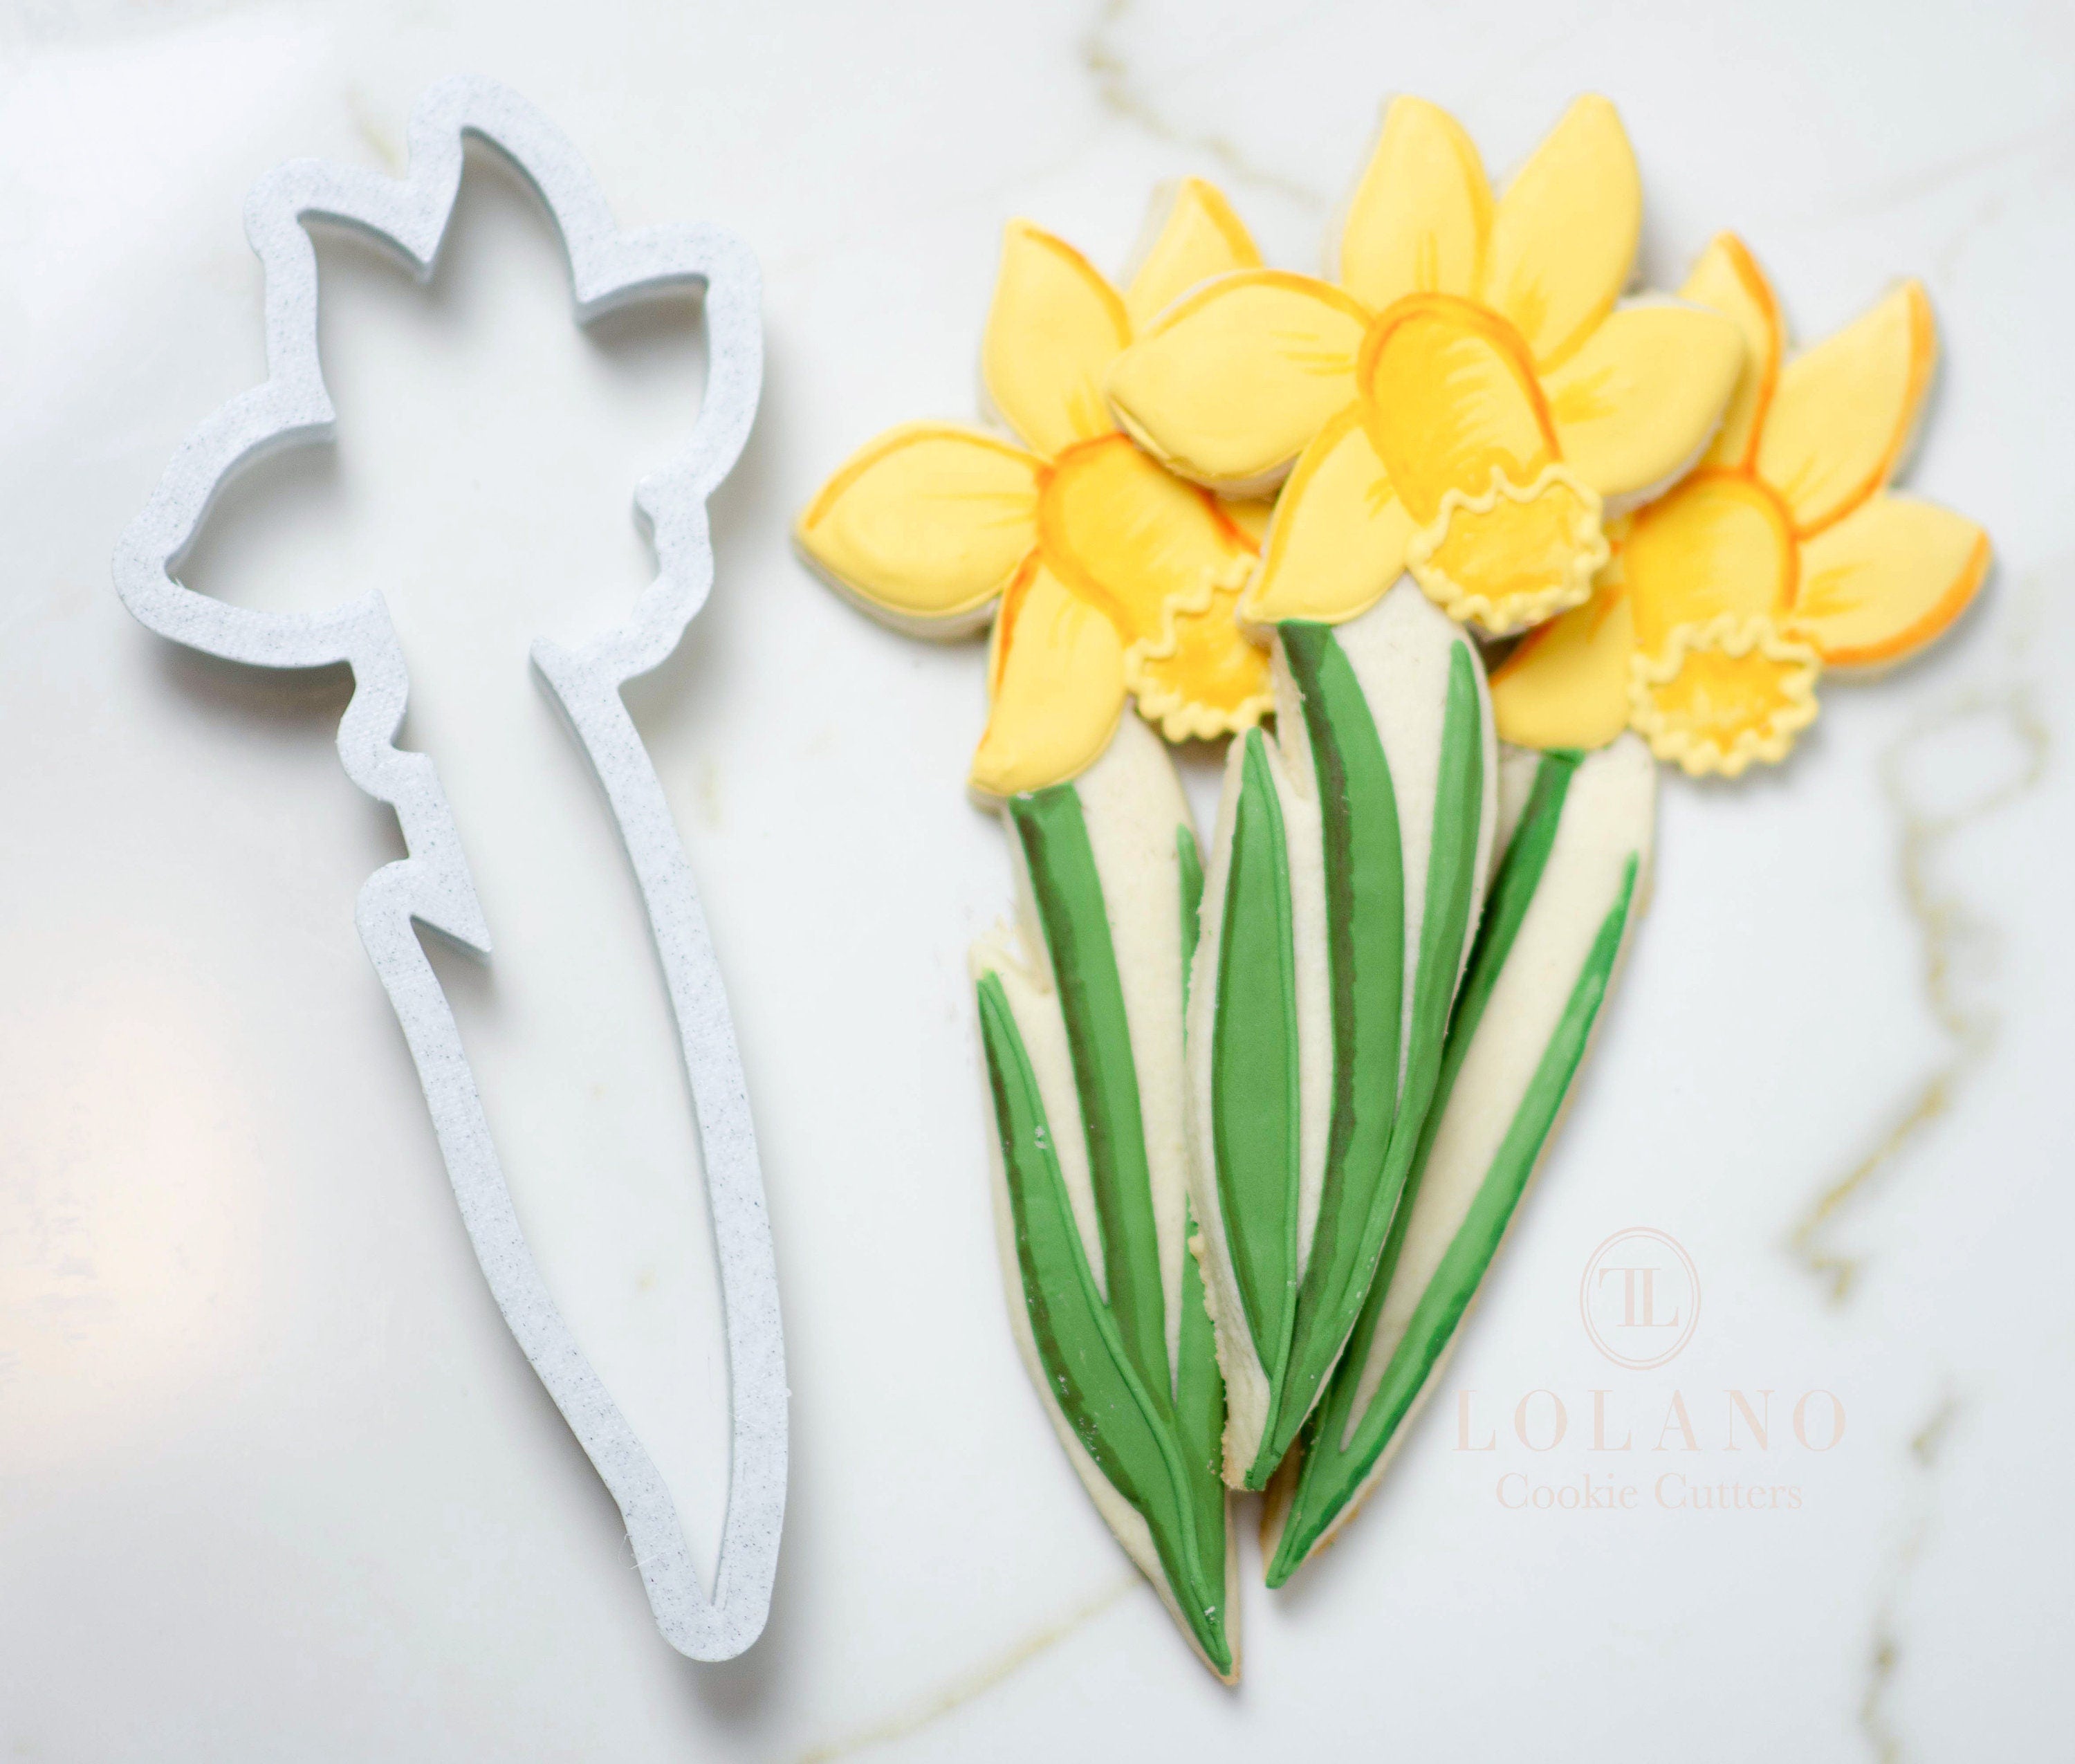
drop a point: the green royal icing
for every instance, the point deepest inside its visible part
(1330, 1473)
(1075, 922)
(1364, 863)
(1154, 1435)
(1253, 1062)
(1372, 1136)
(1200, 1390)
(1191, 863)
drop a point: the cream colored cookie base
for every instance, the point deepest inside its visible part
(1399, 650)
(1609, 813)
(1133, 807)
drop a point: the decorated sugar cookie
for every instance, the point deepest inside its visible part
(1080, 1011)
(1467, 401)
(1263, 1114)
(1576, 835)
(1105, 577)
(1343, 891)
(1440, 442)
(1784, 554)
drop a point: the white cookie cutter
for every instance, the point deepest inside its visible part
(432, 886)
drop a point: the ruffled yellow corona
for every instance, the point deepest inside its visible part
(1784, 553)
(1106, 577)
(1466, 402)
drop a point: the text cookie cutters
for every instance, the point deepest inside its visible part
(431, 885)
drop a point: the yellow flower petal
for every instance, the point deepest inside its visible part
(1251, 517)
(1727, 280)
(1338, 539)
(1724, 693)
(1887, 580)
(1635, 406)
(1058, 681)
(1229, 384)
(1514, 556)
(1134, 539)
(1843, 411)
(1566, 683)
(1204, 678)
(1450, 397)
(1563, 240)
(924, 526)
(1052, 330)
(1719, 544)
(1419, 215)
(1198, 237)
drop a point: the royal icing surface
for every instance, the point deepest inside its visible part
(1105, 578)
(1263, 1116)
(1783, 554)
(1466, 402)
(1081, 1012)
(1343, 889)
(1568, 889)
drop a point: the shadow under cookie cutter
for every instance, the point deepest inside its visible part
(431, 885)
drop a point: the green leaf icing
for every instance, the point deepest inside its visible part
(1253, 1057)
(1199, 1421)
(1374, 1135)
(1339, 1449)
(1191, 865)
(1365, 948)
(1070, 910)
(1146, 1446)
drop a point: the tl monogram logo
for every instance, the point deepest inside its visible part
(1640, 1299)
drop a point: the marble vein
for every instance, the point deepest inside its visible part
(932, 1706)
(1957, 943)
(1123, 94)
(1876, 1720)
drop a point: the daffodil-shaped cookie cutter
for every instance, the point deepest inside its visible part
(431, 885)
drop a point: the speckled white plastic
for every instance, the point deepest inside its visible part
(432, 886)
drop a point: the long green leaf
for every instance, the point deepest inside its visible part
(1253, 1058)
(1075, 922)
(1199, 1388)
(1126, 1430)
(1353, 1237)
(1339, 1450)
(1365, 877)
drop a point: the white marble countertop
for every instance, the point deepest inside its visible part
(273, 1481)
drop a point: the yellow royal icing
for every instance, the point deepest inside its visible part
(1475, 344)
(1786, 540)
(1107, 575)
(1721, 695)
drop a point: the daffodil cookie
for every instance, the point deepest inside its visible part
(1576, 834)
(1081, 1012)
(1468, 399)
(1105, 578)
(1783, 555)
(1343, 892)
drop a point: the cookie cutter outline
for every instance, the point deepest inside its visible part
(430, 884)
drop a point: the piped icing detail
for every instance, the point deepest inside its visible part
(1344, 887)
(1081, 1010)
(1471, 350)
(1719, 695)
(1564, 899)
(1518, 553)
(1784, 554)
(1105, 576)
